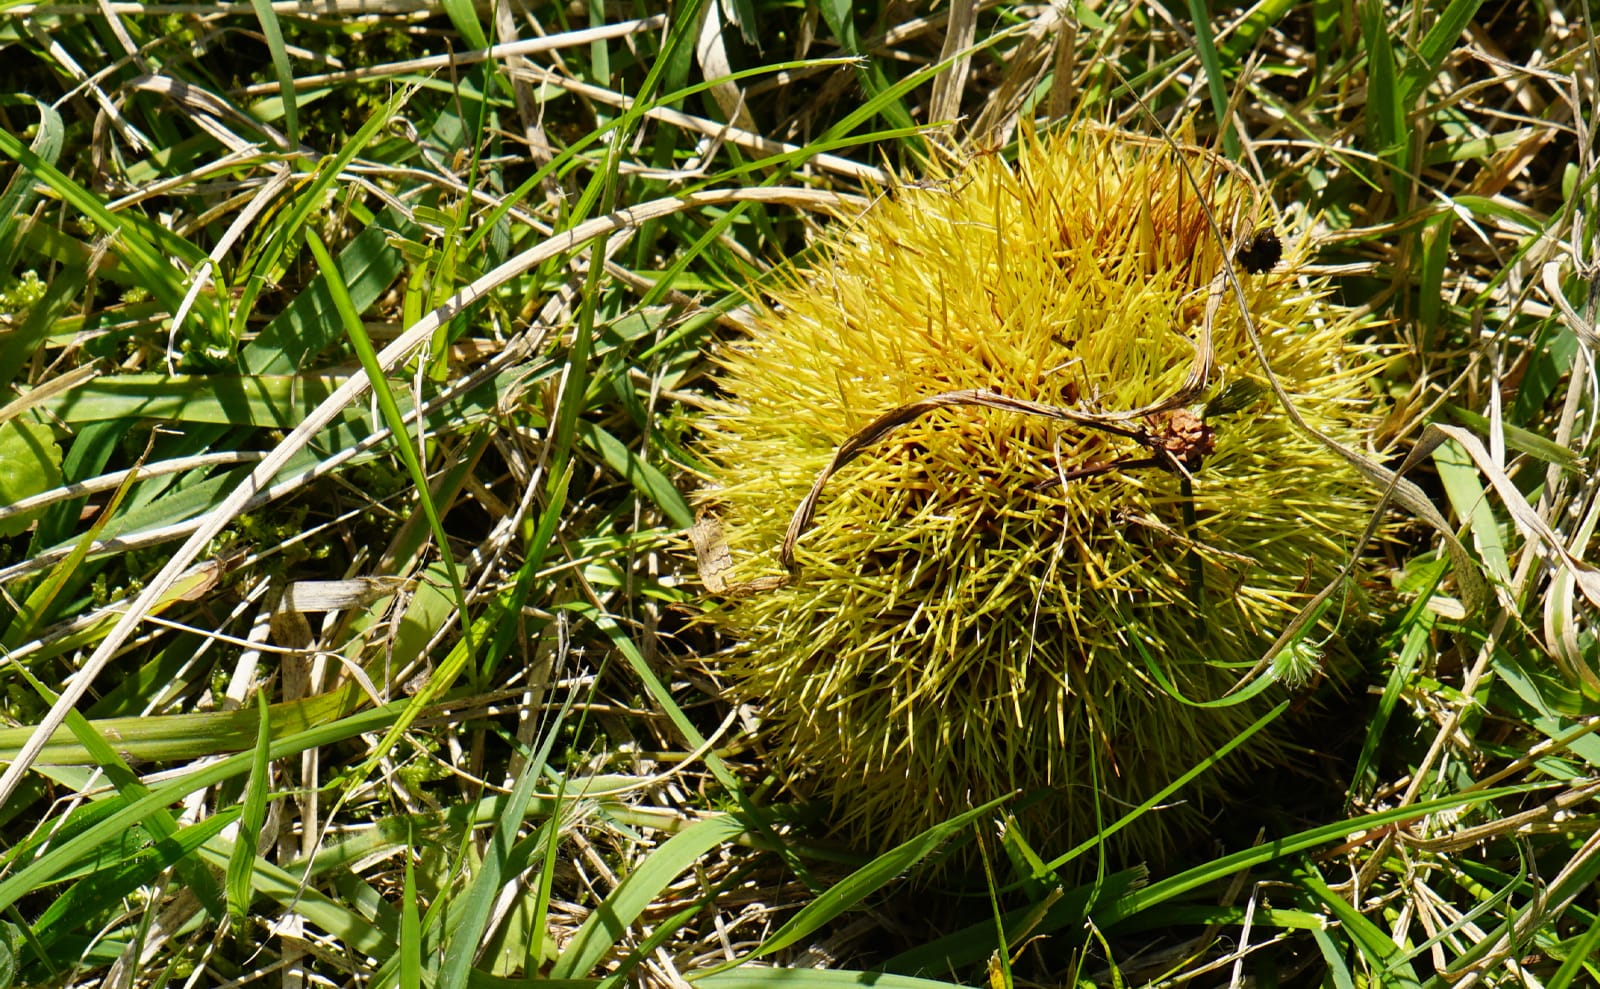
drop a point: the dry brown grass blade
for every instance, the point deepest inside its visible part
(210, 113)
(711, 51)
(948, 88)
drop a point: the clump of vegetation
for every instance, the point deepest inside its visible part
(1061, 505)
(349, 354)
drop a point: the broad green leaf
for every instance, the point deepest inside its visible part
(276, 400)
(30, 464)
(1464, 487)
(12, 944)
(306, 327)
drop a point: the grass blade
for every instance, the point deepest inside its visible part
(849, 892)
(1206, 47)
(241, 861)
(268, 17)
(611, 918)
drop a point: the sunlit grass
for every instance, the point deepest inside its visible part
(496, 744)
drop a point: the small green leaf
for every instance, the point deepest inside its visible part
(30, 464)
(10, 947)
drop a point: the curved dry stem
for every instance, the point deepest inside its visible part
(880, 427)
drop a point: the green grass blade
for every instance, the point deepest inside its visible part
(273, 33)
(377, 937)
(134, 242)
(1416, 633)
(37, 605)
(1256, 23)
(1388, 959)
(258, 785)
(658, 691)
(274, 401)
(755, 977)
(1219, 869)
(1206, 47)
(473, 633)
(116, 818)
(1333, 956)
(1436, 46)
(464, 18)
(1464, 487)
(367, 266)
(973, 945)
(849, 892)
(19, 194)
(159, 822)
(645, 477)
(505, 857)
(410, 930)
(442, 680)
(611, 919)
(295, 221)
(1517, 438)
(1434, 241)
(108, 889)
(392, 416)
(1580, 953)
(188, 736)
(1386, 113)
(1167, 791)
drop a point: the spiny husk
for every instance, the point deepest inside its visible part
(963, 625)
